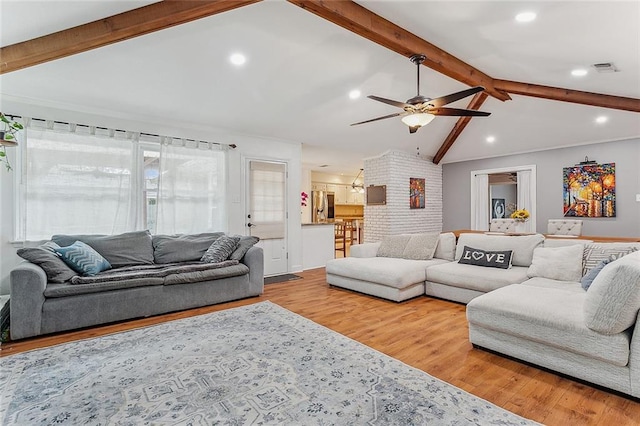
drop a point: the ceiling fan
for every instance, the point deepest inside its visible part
(420, 110)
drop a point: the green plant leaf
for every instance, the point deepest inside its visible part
(3, 154)
(8, 136)
(17, 125)
(3, 118)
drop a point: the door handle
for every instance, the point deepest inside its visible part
(250, 225)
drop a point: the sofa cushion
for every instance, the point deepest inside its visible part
(475, 277)
(557, 263)
(393, 246)
(246, 242)
(420, 246)
(597, 252)
(446, 247)
(83, 259)
(68, 289)
(220, 249)
(552, 316)
(521, 245)
(389, 271)
(45, 257)
(569, 286)
(207, 274)
(613, 300)
(130, 248)
(182, 248)
(490, 259)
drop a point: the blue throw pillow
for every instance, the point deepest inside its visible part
(587, 280)
(83, 259)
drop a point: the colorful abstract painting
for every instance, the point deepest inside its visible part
(589, 190)
(416, 193)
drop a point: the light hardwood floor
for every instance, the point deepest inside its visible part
(426, 333)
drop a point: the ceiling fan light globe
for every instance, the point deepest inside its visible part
(417, 120)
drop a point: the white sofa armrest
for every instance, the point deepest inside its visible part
(364, 250)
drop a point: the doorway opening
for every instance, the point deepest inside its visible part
(491, 188)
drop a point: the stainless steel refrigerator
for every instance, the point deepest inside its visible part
(322, 206)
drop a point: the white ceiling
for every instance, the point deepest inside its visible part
(300, 69)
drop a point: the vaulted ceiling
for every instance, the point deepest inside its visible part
(302, 65)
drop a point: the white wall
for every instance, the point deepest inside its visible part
(247, 147)
(393, 169)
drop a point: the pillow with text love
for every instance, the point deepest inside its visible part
(491, 259)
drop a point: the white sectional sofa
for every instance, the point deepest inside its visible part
(593, 335)
(399, 279)
(461, 282)
(392, 278)
(536, 310)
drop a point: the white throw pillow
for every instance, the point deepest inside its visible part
(613, 300)
(393, 246)
(420, 246)
(557, 263)
(446, 247)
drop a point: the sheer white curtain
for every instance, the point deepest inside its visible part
(524, 197)
(75, 179)
(191, 193)
(480, 216)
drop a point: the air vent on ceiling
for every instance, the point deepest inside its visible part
(605, 67)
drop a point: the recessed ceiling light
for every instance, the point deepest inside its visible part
(525, 17)
(491, 139)
(602, 119)
(354, 94)
(238, 59)
(579, 72)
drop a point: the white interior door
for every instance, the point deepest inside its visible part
(267, 214)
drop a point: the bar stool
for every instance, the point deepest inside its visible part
(340, 238)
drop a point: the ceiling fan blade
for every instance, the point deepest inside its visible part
(438, 102)
(379, 118)
(458, 112)
(390, 102)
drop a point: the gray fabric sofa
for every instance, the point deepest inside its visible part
(151, 276)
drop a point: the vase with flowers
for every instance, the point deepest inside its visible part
(520, 216)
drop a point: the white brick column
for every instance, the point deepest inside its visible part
(393, 169)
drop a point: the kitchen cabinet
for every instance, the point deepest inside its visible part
(343, 193)
(355, 197)
(318, 187)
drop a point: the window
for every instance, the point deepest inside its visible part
(82, 180)
(75, 183)
(191, 194)
(267, 199)
(151, 179)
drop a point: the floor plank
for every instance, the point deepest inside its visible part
(426, 333)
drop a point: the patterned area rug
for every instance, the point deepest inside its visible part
(259, 364)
